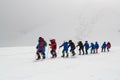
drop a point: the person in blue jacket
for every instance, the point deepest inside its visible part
(86, 45)
(96, 47)
(65, 49)
(104, 45)
(92, 46)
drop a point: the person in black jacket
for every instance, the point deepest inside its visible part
(81, 47)
(72, 45)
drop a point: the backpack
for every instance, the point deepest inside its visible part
(109, 45)
(45, 43)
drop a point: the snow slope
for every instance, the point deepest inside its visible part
(17, 63)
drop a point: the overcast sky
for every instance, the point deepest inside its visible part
(23, 21)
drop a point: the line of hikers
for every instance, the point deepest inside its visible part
(83, 48)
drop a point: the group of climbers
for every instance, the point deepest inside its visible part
(83, 48)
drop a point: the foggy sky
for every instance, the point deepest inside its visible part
(23, 21)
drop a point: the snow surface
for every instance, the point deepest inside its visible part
(18, 63)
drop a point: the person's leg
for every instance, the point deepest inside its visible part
(73, 52)
(108, 49)
(91, 50)
(96, 50)
(38, 55)
(52, 53)
(86, 52)
(63, 53)
(43, 55)
(102, 50)
(83, 51)
(55, 54)
(80, 51)
(67, 54)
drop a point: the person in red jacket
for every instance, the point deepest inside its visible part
(53, 47)
(108, 46)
